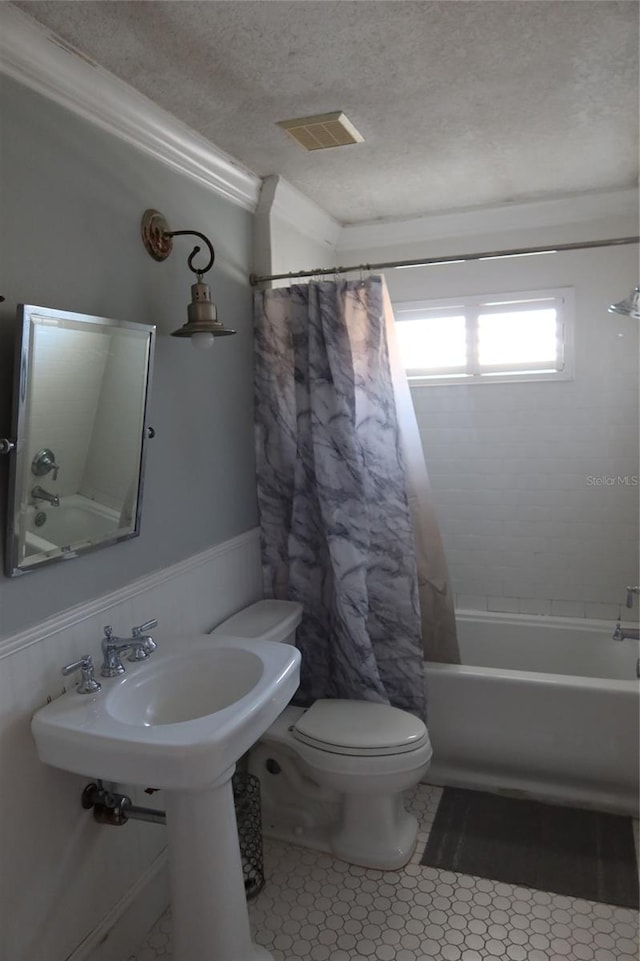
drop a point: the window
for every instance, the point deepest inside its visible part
(487, 339)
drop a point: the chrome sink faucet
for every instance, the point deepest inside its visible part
(140, 645)
(40, 494)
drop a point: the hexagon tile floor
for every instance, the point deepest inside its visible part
(315, 908)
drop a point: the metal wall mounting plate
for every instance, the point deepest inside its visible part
(155, 234)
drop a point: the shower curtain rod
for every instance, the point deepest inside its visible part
(451, 258)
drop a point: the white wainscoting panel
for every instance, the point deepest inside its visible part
(69, 887)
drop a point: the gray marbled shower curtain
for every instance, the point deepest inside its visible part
(334, 516)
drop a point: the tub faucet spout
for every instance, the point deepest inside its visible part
(40, 494)
(622, 633)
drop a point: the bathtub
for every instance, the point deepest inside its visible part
(547, 707)
(77, 520)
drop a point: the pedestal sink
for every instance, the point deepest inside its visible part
(179, 721)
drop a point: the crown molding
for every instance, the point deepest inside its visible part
(280, 199)
(37, 58)
(561, 211)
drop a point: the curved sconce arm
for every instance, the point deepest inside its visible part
(199, 271)
(157, 238)
(202, 325)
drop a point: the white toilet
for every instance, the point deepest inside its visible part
(332, 775)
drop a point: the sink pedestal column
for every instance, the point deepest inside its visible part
(208, 901)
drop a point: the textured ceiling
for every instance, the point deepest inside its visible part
(461, 103)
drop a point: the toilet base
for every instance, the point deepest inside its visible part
(314, 836)
(364, 848)
(295, 808)
(366, 829)
(375, 832)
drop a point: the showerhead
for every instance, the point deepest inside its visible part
(630, 307)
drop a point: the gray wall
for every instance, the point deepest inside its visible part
(71, 198)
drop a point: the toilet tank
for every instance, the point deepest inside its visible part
(268, 620)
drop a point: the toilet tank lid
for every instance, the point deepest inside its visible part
(361, 725)
(269, 620)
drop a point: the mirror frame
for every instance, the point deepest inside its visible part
(18, 466)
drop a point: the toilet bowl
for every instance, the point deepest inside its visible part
(332, 776)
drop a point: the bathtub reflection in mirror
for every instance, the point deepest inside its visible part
(79, 419)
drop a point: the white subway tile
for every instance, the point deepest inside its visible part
(507, 605)
(477, 583)
(606, 611)
(471, 602)
(533, 605)
(518, 586)
(520, 457)
(567, 608)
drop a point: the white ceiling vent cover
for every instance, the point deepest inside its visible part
(322, 131)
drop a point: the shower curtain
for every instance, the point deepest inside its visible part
(437, 608)
(335, 517)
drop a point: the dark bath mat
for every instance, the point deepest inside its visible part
(582, 854)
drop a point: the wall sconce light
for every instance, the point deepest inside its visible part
(202, 325)
(630, 306)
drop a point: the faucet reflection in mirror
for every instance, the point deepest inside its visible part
(202, 324)
(79, 432)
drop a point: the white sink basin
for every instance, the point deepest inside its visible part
(178, 720)
(199, 684)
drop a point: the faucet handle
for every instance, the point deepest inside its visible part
(43, 462)
(143, 628)
(630, 592)
(147, 644)
(88, 683)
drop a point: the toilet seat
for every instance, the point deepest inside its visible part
(359, 729)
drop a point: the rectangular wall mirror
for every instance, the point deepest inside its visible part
(79, 422)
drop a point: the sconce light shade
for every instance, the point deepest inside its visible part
(202, 325)
(630, 307)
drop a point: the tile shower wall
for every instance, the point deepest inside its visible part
(114, 440)
(536, 485)
(66, 881)
(515, 471)
(63, 424)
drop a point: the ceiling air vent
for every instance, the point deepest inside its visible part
(322, 131)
